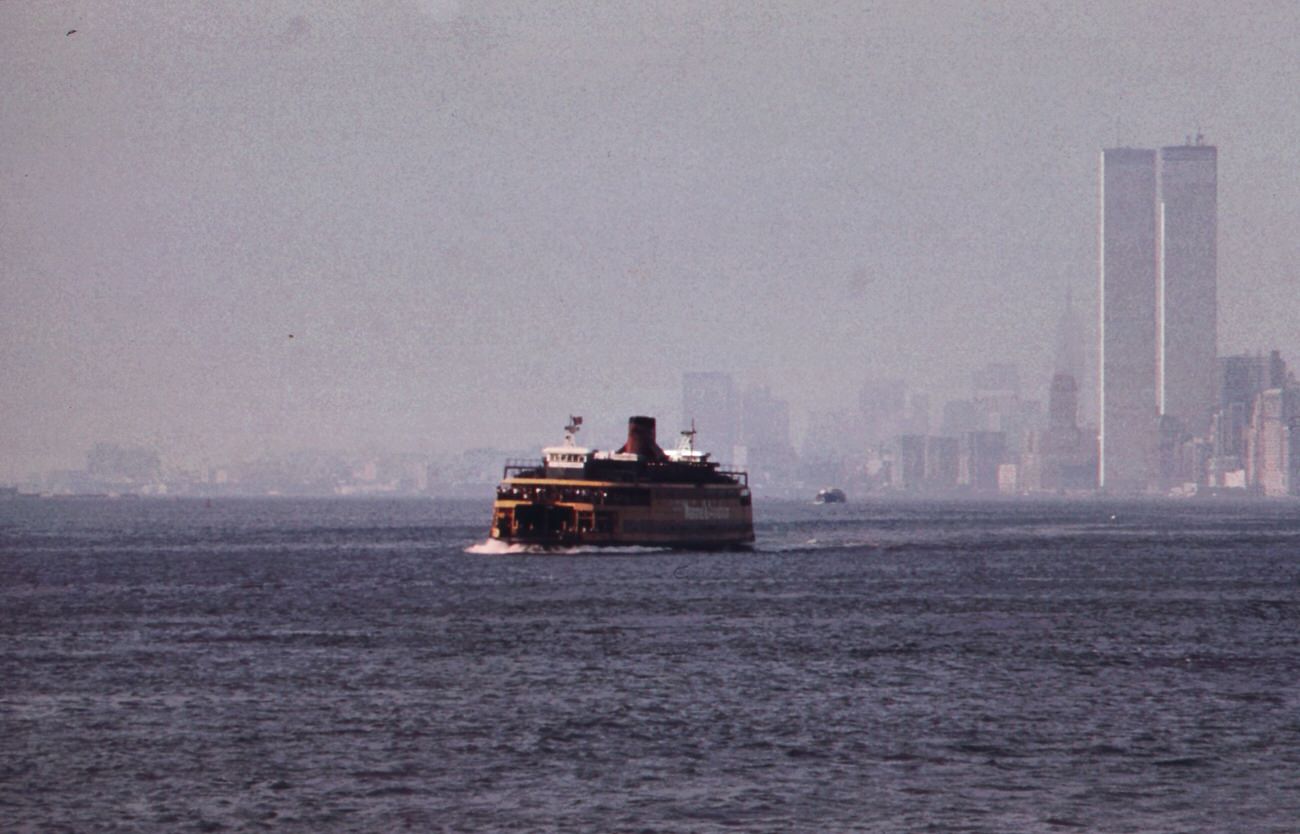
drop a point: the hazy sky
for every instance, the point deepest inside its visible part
(230, 228)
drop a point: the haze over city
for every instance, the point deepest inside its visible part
(650, 415)
(234, 230)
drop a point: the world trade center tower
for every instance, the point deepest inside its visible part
(1188, 285)
(1128, 266)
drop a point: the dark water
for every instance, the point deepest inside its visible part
(331, 666)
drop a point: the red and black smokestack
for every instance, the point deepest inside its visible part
(641, 439)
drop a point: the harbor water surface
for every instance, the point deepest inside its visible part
(287, 665)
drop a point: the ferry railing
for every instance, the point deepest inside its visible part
(739, 474)
(722, 469)
(518, 465)
(521, 465)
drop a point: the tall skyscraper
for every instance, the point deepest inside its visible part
(1128, 263)
(1159, 309)
(1188, 308)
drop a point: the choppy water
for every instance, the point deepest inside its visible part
(321, 666)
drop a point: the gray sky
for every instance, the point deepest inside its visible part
(474, 218)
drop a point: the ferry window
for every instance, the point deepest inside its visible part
(628, 497)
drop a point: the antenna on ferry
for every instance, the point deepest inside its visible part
(571, 430)
(688, 437)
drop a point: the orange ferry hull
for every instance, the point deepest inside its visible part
(637, 496)
(554, 513)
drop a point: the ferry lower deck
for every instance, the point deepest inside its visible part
(553, 512)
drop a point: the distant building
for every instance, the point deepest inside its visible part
(1128, 262)
(917, 418)
(999, 406)
(1170, 468)
(1292, 463)
(959, 417)
(765, 436)
(1008, 478)
(709, 399)
(110, 463)
(1063, 408)
(997, 380)
(925, 463)
(1066, 454)
(1188, 282)
(1240, 379)
(882, 405)
(764, 420)
(909, 462)
(1271, 442)
(832, 453)
(1070, 349)
(985, 452)
(942, 463)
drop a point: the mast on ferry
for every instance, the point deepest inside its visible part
(687, 443)
(571, 430)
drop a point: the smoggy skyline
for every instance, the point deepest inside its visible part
(232, 229)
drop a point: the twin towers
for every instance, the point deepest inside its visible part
(1158, 304)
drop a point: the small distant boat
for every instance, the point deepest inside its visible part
(830, 495)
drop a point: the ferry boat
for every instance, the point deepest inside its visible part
(639, 495)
